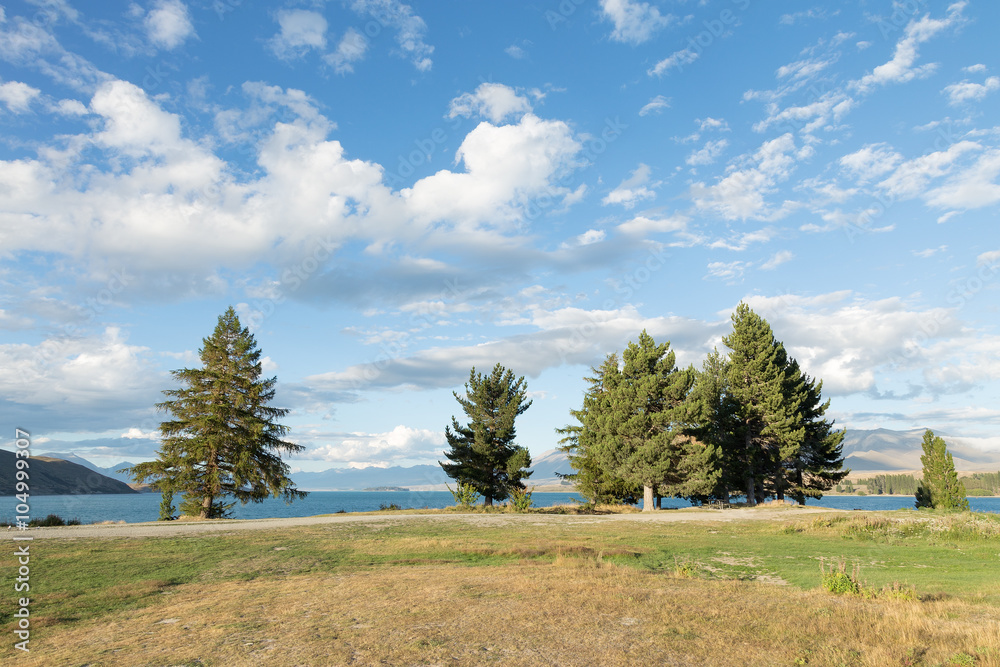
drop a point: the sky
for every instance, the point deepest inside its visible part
(391, 193)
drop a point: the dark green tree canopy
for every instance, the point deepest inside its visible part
(223, 440)
(939, 488)
(483, 452)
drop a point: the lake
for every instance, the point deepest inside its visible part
(146, 506)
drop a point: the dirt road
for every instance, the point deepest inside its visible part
(175, 528)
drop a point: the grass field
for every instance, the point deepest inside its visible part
(569, 590)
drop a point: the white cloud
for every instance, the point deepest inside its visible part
(17, 96)
(79, 374)
(973, 187)
(871, 162)
(902, 67)
(656, 104)
(506, 167)
(631, 190)
(589, 237)
(494, 101)
(168, 24)
(135, 434)
(643, 226)
(966, 91)
(301, 30)
(823, 113)
(359, 449)
(634, 22)
(351, 48)
(677, 60)
(410, 28)
(911, 178)
(708, 153)
(777, 260)
(741, 194)
(730, 272)
(515, 51)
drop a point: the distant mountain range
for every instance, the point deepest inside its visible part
(49, 476)
(866, 451)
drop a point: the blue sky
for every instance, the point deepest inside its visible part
(392, 193)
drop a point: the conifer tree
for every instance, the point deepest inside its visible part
(223, 441)
(818, 464)
(644, 423)
(579, 441)
(483, 452)
(939, 488)
(718, 424)
(759, 383)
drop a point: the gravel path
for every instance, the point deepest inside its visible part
(175, 528)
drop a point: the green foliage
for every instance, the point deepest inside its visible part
(223, 441)
(520, 500)
(781, 443)
(464, 494)
(167, 510)
(988, 483)
(891, 484)
(838, 580)
(939, 488)
(390, 507)
(591, 479)
(642, 424)
(483, 453)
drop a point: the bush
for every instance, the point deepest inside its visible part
(392, 506)
(520, 500)
(837, 580)
(464, 494)
(50, 520)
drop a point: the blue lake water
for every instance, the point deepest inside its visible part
(146, 506)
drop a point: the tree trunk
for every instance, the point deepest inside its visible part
(647, 499)
(751, 496)
(206, 506)
(487, 501)
(658, 503)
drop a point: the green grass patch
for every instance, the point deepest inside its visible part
(935, 555)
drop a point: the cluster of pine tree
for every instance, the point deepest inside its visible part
(982, 484)
(749, 423)
(901, 484)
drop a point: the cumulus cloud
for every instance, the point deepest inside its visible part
(740, 195)
(634, 22)
(632, 190)
(351, 48)
(777, 259)
(708, 153)
(17, 96)
(359, 448)
(301, 31)
(168, 24)
(493, 101)
(903, 67)
(967, 91)
(411, 30)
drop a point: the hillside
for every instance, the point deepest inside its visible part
(111, 472)
(50, 477)
(882, 450)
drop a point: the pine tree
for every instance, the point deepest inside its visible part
(644, 425)
(223, 441)
(718, 424)
(579, 442)
(818, 464)
(939, 488)
(759, 383)
(483, 452)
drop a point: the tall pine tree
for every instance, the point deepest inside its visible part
(758, 382)
(483, 452)
(223, 441)
(644, 422)
(579, 442)
(939, 488)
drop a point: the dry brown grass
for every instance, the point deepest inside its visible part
(577, 610)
